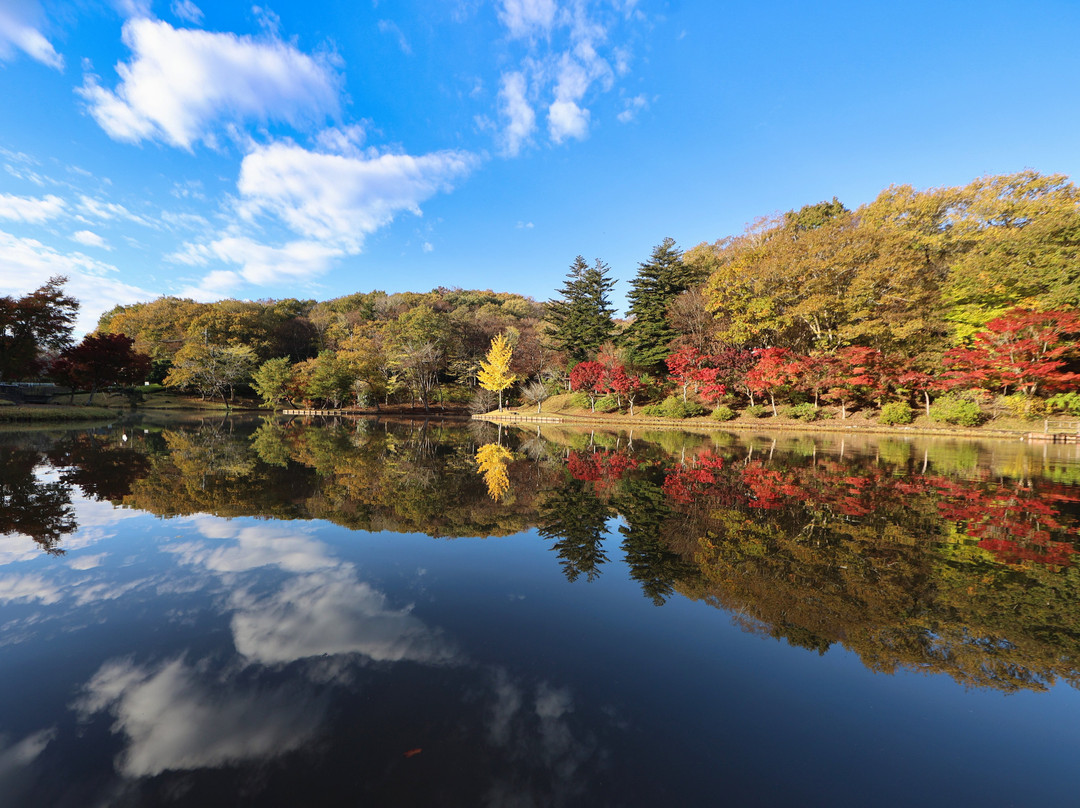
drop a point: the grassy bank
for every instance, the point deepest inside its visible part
(54, 413)
(561, 408)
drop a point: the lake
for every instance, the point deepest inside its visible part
(230, 612)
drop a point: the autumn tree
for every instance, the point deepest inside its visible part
(211, 369)
(1025, 351)
(272, 380)
(590, 378)
(774, 372)
(495, 372)
(33, 326)
(100, 361)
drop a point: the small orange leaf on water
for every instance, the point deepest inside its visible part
(413, 752)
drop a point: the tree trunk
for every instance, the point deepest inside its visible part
(926, 395)
(772, 401)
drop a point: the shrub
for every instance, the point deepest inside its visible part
(723, 413)
(1065, 402)
(606, 404)
(951, 409)
(674, 407)
(1020, 406)
(579, 400)
(804, 412)
(756, 411)
(896, 412)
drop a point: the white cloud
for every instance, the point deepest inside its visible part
(90, 239)
(27, 588)
(633, 107)
(109, 211)
(391, 28)
(181, 83)
(518, 113)
(524, 225)
(340, 199)
(187, 11)
(525, 18)
(567, 119)
(180, 717)
(28, 264)
(258, 263)
(258, 547)
(427, 247)
(86, 562)
(19, 30)
(34, 210)
(331, 613)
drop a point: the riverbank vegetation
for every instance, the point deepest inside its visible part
(956, 305)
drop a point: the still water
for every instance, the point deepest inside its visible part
(368, 613)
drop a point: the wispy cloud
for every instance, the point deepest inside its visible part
(90, 239)
(182, 84)
(517, 112)
(391, 28)
(20, 22)
(33, 210)
(187, 11)
(338, 198)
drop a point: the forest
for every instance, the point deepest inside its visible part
(959, 303)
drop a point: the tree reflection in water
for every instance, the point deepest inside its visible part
(942, 557)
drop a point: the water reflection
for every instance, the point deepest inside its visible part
(952, 557)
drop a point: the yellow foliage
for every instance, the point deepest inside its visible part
(492, 459)
(495, 372)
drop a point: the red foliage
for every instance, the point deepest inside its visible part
(100, 361)
(1023, 350)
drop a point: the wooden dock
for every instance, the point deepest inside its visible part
(1056, 432)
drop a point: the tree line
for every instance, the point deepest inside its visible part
(943, 301)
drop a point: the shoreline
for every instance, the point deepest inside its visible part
(767, 424)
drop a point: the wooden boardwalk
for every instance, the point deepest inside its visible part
(1056, 432)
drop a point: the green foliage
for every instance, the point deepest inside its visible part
(578, 400)
(271, 380)
(952, 409)
(607, 404)
(803, 412)
(723, 413)
(659, 281)
(674, 407)
(581, 320)
(896, 412)
(755, 411)
(1065, 402)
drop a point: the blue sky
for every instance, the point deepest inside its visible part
(321, 148)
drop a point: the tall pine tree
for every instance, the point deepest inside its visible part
(581, 321)
(659, 281)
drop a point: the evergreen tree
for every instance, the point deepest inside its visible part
(659, 281)
(581, 321)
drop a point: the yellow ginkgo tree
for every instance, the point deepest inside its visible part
(492, 459)
(495, 372)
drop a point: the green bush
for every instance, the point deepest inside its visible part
(674, 407)
(952, 409)
(803, 412)
(755, 411)
(723, 413)
(896, 412)
(1065, 402)
(579, 400)
(607, 404)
